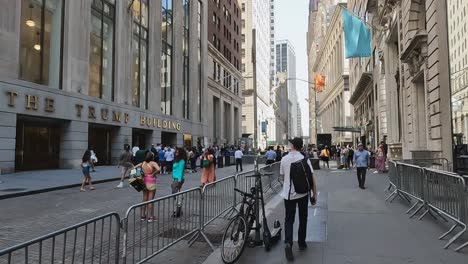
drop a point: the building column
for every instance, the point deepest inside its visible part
(222, 114)
(7, 142)
(232, 125)
(154, 58)
(73, 143)
(122, 136)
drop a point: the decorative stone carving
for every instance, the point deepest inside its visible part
(415, 54)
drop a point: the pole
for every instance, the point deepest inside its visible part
(254, 63)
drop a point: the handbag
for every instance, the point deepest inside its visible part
(301, 177)
(136, 179)
(206, 163)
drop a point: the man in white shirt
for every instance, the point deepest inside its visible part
(238, 156)
(134, 150)
(293, 199)
(169, 155)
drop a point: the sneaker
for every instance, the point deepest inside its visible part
(120, 185)
(151, 219)
(288, 252)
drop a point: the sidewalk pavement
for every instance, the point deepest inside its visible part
(33, 182)
(350, 225)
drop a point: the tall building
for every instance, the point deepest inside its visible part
(399, 94)
(257, 109)
(299, 121)
(83, 74)
(224, 77)
(319, 19)
(287, 110)
(333, 108)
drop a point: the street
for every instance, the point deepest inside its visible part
(27, 217)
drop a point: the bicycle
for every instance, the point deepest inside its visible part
(237, 232)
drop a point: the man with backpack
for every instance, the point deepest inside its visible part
(298, 183)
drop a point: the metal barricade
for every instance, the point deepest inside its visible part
(218, 199)
(245, 181)
(445, 193)
(411, 183)
(143, 240)
(435, 163)
(93, 241)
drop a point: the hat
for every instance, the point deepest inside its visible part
(360, 144)
(297, 143)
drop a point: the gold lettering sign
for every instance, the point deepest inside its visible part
(91, 112)
(11, 98)
(115, 116)
(31, 102)
(49, 105)
(159, 123)
(173, 125)
(178, 127)
(142, 120)
(78, 108)
(126, 118)
(164, 124)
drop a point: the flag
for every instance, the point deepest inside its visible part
(357, 36)
(319, 82)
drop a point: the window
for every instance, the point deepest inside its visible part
(41, 42)
(185, 49)
(166, 59)
(101, 55)
(140, 54)
(243, 7)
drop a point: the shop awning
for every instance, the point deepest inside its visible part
(364, 81)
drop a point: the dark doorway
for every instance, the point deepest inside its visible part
(168, 139)
(99, 140)
(140, 137)
(37, 143)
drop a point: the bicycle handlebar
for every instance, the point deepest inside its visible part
(244, 193)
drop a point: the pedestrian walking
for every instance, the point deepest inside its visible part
(125, 163)
(380, 161)
(162, 159)
(238, 156)
(169, 157)
(361, 160)
(85, 168)
(178, 177)
(350, 156)
(296, 194)
(150, 169)
(278, 154)
(270, 156)
(193, 159)
(208, 172)
(325, 156)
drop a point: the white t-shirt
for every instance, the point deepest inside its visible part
(169, 155)
(134, 150)
(238, 154)
(288, 192)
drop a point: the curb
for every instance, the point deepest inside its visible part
(51, 189)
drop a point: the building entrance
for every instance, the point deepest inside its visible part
(168, 139)
(37, 143)
(99, 140)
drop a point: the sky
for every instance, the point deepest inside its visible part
(291, 21)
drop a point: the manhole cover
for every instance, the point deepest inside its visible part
(13, 190)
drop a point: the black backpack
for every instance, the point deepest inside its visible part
(301, 176)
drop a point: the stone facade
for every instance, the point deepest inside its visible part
(74, 116)
(407, 76)
(333, 109)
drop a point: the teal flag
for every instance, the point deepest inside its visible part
(357, 36)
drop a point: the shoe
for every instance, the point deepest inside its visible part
(82, 190)
(92, 188)
(120, 185)
(143, 218)
(151, 219)
(302, 246)
(288, 252)
(363, 187)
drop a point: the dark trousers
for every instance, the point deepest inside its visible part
(268, 162)
(239, 163)
(290, 206)
(361, 175)
(169, 166)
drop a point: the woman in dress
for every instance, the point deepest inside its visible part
(380, 161)
(150, 169)
(208, 173)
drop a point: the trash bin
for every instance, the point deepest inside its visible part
(315, 164)
(220, 161)
(227, 161)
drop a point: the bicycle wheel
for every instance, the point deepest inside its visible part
(234, 239)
